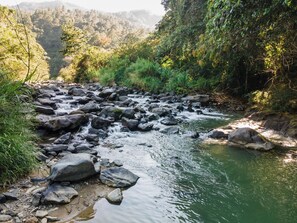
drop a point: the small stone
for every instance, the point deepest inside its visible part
(115, 197)
(44, 220)
(117, 163)
(5, 218)
(31, 220)
(41, 214)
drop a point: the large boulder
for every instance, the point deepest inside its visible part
(118, 177)
(73, 167)
(101, 122)
(90, 107)
(169, 121)
(131, 124)
(57, 194)
(76, 91)
(250, 138)
(47, 110)
(66, 122)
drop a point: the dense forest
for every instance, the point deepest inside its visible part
(246, 49)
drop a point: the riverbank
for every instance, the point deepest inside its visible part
(91, 123)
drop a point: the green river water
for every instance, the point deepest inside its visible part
(184, 180)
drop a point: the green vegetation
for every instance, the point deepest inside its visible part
(17, 150)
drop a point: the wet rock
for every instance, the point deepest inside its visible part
(82, 147)
(162, 112)
(67, 122)
(101, 123)
(113, 112)
(41, 214)
(129, 113)
(131, 124)
(106, 93)
(44, 220)
(73, 167)
(47, 102)
(113, 97)
(250, 138)
(64, 139)
(52, 219)
(123, 98)
(145, 127)
(197, 98)
(76, 92)
(5, 218)
(92, 138)
(117, 163)
(170, 130)
(82, 101)
(118, 177)
(169, 121)
(57, 194)
(57, 148)
(99, 132)
(90, 107)
(115, 197)
(47, 110)
(218, 135)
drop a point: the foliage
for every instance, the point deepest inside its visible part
(20, 54)
(16, 147)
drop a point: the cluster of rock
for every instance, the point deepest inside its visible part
(73, 120)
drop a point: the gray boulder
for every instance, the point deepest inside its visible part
(118, 177)
(66, 122)
(90, 107)
(57, 194)
(169, 121)
(131, 124)
(47, 110)
(145, 127)
(73, 167)
(101, 123)
(64, 139)
(129, 113)
(170, 130)
(249, 138)
(162, 112)
(76, 92)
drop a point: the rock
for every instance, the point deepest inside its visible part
(47, 110)
(106, 93)
(41, 157)
(117, 163)
(129, 113)
(76, 92)
(115, 197)
(250, 138)
(57, 148)
(44, 220)
(2, 199)
(113, 97)
(73, 167)
(11, 196)
(41, 214)
(131, 124)
(90, 107)
(162, 112)
(52, 219)
(57, 194)
(31, 220)
(64, 139)
(145, 127)
(197, 98)
(101, 123)
(67, 122)
(113, 112)
(5, 218)
(118, 177)
(169, 121)
(218, 135)
(170, 130)
(99, 132)
(47, 102)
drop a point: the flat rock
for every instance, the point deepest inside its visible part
(47, 110)
(145, 127)
(131, 124)
(41, 214)
(170, 130)
(66, 122)
(169, 121)
(57, 194)
(64, 139)
(250, 138)
(115, 197)
(73, 167)
(118, 177)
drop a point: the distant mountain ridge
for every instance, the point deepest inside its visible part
(32, 6)
(140, 18)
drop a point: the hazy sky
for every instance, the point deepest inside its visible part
(107, 5)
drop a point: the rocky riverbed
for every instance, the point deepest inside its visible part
(75, 121)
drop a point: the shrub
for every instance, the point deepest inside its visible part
(16, 147)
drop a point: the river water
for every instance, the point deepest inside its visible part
(184, 180)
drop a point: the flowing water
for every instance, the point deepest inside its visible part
(183, 180)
